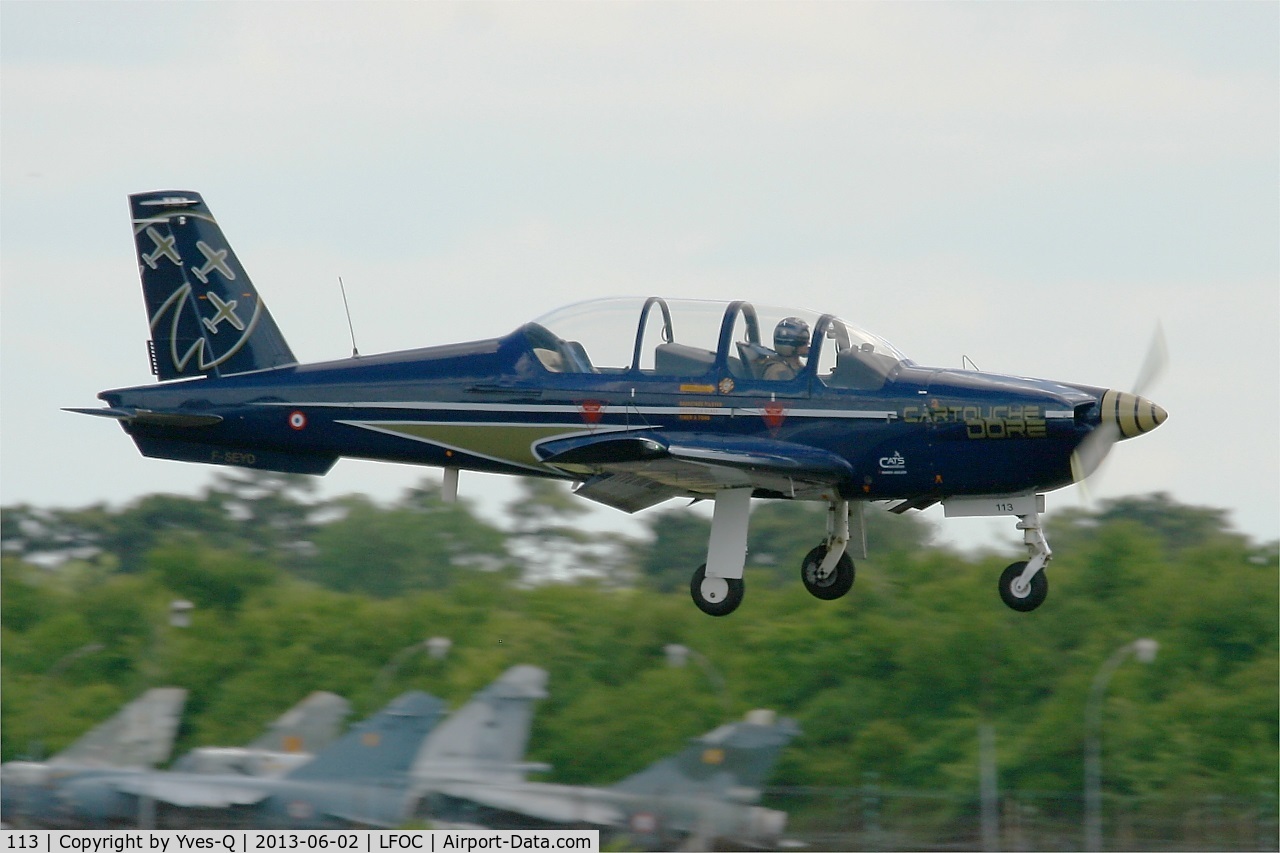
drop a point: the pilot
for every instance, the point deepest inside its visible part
(791, 343)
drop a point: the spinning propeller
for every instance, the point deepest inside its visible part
(1123, 414)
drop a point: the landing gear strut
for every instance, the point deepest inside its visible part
(827, 571)
(717, 586)
(1023, 585)
(830, 585)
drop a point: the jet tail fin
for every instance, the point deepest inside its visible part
(205, 315)
(486, 738)
(139, 735)
(379, 749)
(309, 726)
(731, 762)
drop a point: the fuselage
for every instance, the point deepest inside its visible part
(489, 405)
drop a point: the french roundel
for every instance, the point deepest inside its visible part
(297, 420)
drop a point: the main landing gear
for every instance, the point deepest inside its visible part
(827, 570)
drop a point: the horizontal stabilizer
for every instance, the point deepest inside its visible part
(147, 417)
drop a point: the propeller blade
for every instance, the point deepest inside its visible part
(1153, 363)
(1088, 457)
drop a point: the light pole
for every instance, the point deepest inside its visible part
(678, 655)
(437, 648)
(177, 616)
(53, 672)
(1144, 649)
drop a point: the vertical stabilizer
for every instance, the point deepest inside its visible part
(288, 743)
(204, 313)
(139, 735)
(731, 762)
(380, 749)
(309, 726)
(486, 738)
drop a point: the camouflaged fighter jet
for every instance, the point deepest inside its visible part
(140, 735)
(637, 401)
(703, 796)
(361, 780)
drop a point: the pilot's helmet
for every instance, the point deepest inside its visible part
(791, 337)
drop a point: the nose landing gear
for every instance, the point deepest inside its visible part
(1023, 585)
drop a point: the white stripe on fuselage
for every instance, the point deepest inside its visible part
(605, 408)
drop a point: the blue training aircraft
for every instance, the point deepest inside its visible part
(636, 400)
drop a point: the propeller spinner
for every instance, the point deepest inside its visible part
(1123, 414)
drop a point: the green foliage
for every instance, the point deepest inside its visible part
(890, 683)
(418, 544)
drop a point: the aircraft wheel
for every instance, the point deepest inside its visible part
(1024, 600)
(833, 585)
(715, 596)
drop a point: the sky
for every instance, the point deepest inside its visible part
(1033, 186)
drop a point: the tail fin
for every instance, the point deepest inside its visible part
(731, 762)
(486, 738)
(380, 748)
(288, 743)
(205, 316)
(309, 726)
(139, 735)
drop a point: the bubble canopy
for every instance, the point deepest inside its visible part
(688, 337)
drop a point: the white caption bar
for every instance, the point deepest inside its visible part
(255, 840)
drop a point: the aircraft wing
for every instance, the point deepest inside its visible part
(190, 793)
(551, 803)
(637, 470)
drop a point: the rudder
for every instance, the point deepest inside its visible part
(205, 315)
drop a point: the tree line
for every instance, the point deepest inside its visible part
(293, 594)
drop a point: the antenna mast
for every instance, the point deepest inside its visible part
(355, 353)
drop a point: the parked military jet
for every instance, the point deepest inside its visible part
(361, 780)
(140, 735)
(636, 400)
(701, 796)
(288, 743)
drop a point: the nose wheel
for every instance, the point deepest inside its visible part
(715, 596)
(828, 585)
(1021, 594)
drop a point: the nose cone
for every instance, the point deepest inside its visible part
(1130, 414)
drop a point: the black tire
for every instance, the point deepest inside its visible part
(1032, 598)
(716, 608)
(833, 585)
